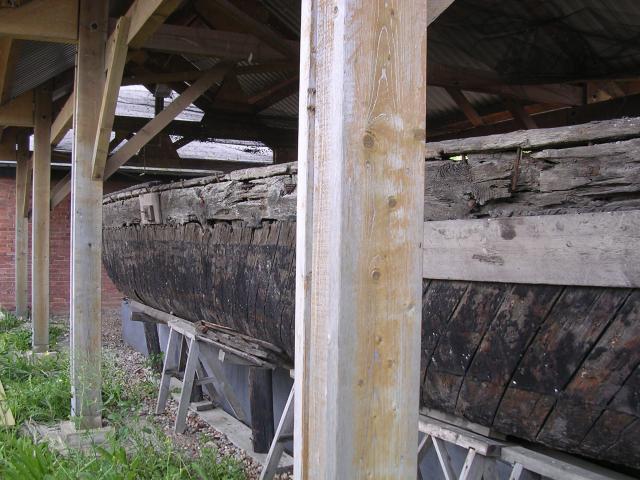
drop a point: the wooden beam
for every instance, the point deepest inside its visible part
(18, 112)
(617, 129)
(146, 16)
(86, 220)
(210, 9)
(272, 95)
(435, 8)
(62, 124)
(366, 281)
(21, 245)
(590, 249)
(464, 105)
(115, 68)
(41, 219)
(6, 67)
(158, 123)
(212, 43)
(520, 114)
(42, 20)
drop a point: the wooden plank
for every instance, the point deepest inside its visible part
(212, 9)
(444, 459)
(170, 364)
(19, 111)
(146, 16)
(233, 46)
(261, 406)
(63, 121)
(86, 220)
(22, 226)
(193, 359)
(618, 129)
(459, 436)
(115, 68)
(473, 466)
(366, 281)
(304, 234)
(40, 220)
(465, 105)
(6, 417)
(42, 20)
(593, 249)
(160, 121)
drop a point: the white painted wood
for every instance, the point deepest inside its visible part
(368, 181)
(304, 233)
(21, 246)
(596, 249)
(41, 220)
(444, 459)
(285, 427)
(473, 467)
(170, 365)
(86, 220)
(187, 386)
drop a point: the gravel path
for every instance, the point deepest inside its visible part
(198, 433)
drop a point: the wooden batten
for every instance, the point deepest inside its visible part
(362, 376)
(589, 249)
(86, 220)
(41, 219)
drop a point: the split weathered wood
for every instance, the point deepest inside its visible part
(42, 20)
(63, 121)
(596, 249)
(370, 125)
(18, 112)
(86, 220)
(23, 193)
(606, 130)
(115, 68)
(41, 220)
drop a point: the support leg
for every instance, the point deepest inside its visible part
(285, 427)
(473, 467)
(187, 385)
(261, 402)
(22, 226)
(169, 365)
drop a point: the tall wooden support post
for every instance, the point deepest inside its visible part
(86, 219)
(360, 376)
(261, 404)
(22, 225)
(40, 219)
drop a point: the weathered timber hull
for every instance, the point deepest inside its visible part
(555, 365)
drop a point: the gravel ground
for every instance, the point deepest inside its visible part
(198, 434)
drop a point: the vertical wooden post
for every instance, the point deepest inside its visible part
(86, 219)
(261, 404)
(22, 225)
(40, 219)
(362, 346)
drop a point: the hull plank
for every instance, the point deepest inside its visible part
(556, 365)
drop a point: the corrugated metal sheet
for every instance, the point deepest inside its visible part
(39, 62)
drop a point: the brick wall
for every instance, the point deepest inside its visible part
(59, 270)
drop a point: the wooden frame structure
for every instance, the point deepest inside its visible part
(361, 255)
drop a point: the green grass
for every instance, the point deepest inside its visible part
(40, 391)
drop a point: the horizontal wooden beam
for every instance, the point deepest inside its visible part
(590, 249)
(18, 112)
(146, 16)
(273, 94)
(42, 20)
(212, 43)
(618, 129)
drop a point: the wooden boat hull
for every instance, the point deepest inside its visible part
(554, 365)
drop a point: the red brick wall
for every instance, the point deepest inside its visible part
(59, 271)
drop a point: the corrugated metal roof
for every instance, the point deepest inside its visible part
(39, 62)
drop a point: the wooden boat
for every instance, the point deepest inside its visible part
(551, 364)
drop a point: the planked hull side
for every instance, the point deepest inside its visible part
(550, 364)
